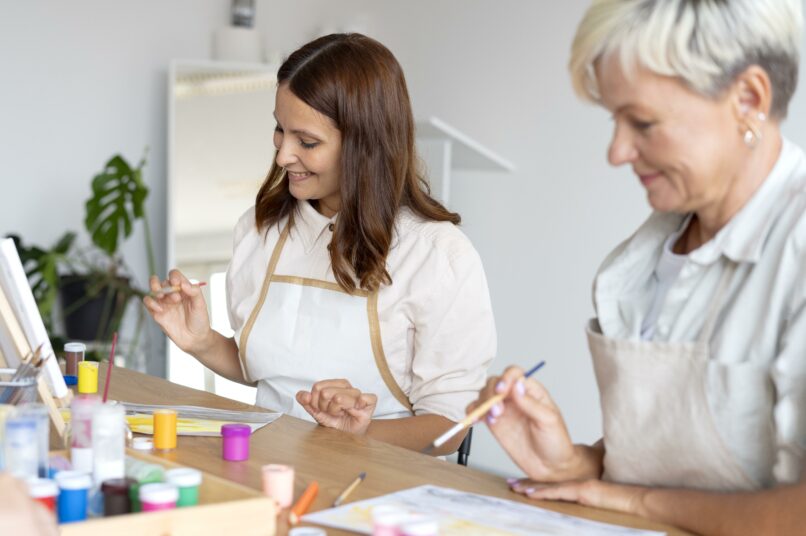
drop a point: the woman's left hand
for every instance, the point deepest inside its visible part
(337, 404)
(594, 492)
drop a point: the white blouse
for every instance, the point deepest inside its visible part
(436, 319)
(757, 390)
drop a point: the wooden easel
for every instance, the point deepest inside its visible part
(12, 331)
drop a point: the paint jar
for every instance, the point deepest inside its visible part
(386, 519)
(22, 458)
(235, 442)
(307, 531)
(142, 443)
(43, 490)
(159, 496)
(81, 409)
(278, 483)
(164, 429)
(142, 473)
(108, 442)
(116, 496)
(6, 411)
(39, 413)
(73, 355)
(419, 526)
(74, 487)
(88, 377)
(187, 480)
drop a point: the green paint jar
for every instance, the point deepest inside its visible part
(188, 481)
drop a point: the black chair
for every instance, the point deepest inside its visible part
(464, 449)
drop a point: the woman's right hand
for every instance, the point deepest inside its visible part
(181, 315)
(530, 427)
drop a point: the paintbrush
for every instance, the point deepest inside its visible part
(474, 415)
(171, 289)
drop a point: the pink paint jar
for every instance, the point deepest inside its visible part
(158, 496)
(235, 443)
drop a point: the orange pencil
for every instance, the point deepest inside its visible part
(303, 503)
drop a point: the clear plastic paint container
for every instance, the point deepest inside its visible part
(278, 483)
(43, 490)
(142, 473)
(88, 377)
(108, 442)
(74, 487)
(386, 518)
(159, 496)
(116, 496)
(187, 481)
(81, 409)
(22, 456)
(142, 443)
(419, 526)
(235, 442)
(164, 429)
(39, 413)
(73, 355)
(6, 411)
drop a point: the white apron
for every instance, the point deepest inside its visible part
(658, 428)
(307, 330)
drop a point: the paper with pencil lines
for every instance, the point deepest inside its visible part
(469, 514)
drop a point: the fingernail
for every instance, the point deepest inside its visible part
(511, 481)
(497, 410)
(500, 386)
(490, 420)
(520, 388)
(529, 490)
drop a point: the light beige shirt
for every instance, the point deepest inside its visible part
(756, 386)
(436, 319)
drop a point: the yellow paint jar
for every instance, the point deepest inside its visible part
(88, 377)
(165, 429)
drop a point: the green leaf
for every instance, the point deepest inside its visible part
(118, 199)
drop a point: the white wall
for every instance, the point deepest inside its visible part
(82, 80)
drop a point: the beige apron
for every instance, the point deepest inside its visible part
(307, 330)
(658, 428)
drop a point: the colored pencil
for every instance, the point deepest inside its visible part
(303, 503)
(476, 414)
(110, 365)
(349, 489)
(174, 288)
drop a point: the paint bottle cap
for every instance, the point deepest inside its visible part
(73, 480)
(159, 493)
(69, 379)
(75, 347)
(117, 486)
(39, 488)
(235, 429)
(142, 443)
(183, 477)
(307, 531)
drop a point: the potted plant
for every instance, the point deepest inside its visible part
(94, 285)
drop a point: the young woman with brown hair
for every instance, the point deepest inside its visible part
(355, 299)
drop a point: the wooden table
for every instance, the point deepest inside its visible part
(331, 457)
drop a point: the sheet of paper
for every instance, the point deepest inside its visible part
(469, 514)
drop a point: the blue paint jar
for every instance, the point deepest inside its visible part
(74, 489)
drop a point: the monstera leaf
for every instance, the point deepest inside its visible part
(118, 198)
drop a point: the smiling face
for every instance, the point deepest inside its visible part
(309, 148)
(685, 148)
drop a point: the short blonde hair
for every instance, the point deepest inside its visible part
(705, 43)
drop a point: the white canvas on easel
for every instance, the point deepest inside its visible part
(23, 331)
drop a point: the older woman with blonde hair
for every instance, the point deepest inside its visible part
(699, 340)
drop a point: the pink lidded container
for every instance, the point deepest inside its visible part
(158, 496)
(235, 442)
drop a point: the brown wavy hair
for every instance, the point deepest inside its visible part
(359, 85)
